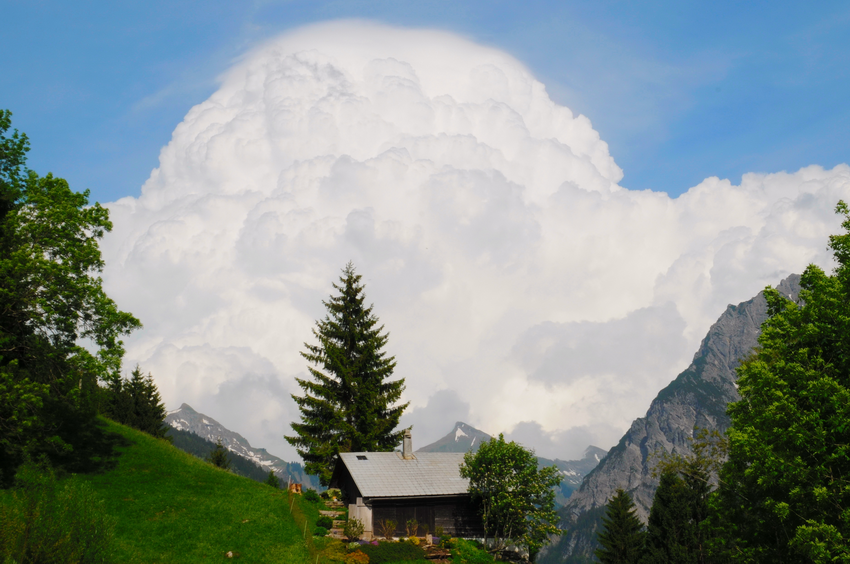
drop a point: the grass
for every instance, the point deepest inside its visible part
(174, 508)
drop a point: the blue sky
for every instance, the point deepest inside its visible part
(680, 91)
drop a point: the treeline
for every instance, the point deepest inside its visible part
(782, 472)
(135, 402)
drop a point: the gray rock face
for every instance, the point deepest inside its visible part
(187, 419)
(696, 399)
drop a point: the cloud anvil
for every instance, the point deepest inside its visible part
(519, 282)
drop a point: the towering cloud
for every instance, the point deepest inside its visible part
(521, 285)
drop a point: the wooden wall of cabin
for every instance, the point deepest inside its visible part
(457, 517)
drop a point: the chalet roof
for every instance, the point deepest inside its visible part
(387, 474)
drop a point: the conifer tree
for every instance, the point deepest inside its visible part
(219, 456)
(349, 404)
(622, 536)
(673, 533)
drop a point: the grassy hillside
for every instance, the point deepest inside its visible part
(172, 507)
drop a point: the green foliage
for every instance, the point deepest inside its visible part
(312, 496)
(51, 301)
(785, 490)
(353, 529)
(325, 521)
(320, 532)
(515, 498)
(273, 481)
(674, 532)
(219, 457)
(136, 402)
(349, 405)
(392, 552)
(621, 537)
(470, 552)
(50, 523)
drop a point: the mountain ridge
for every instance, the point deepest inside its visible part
(185, 418)
(695, 399)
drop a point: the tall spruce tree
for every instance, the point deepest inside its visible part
(349, 405)
(680, 504)
(622, 536)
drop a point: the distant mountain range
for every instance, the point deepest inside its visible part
(187, 419)
(696, 399)
(464, 437)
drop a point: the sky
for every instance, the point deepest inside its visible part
(550, 202)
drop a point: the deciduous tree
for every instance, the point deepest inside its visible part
(515, 498)
(785, 491)
(51, 302)
(349, 404)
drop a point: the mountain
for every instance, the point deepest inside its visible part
(697, 398)
(187, 419)
(463, 438)
(573, 471)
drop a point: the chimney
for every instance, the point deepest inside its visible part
(407, 450)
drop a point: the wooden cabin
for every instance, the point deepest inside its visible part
(400, 486)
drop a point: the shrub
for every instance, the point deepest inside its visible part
(312, 496)
(320, 532)
(387, 528)
(357, 557)
(413, 540)
(392, 552)
(332, 493)
(470, 552)
(412, 527)
(439, 531)
(445, 542)
(47, 523)
(353, 528)
(325, 521)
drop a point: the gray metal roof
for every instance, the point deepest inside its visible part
(387, 474)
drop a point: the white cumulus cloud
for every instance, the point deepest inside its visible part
(522, 287)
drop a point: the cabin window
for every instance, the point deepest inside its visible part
(361, 457)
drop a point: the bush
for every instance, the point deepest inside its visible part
(392, 552)
(331, 493)
(312, 496)
(413, 540)
(387, 528)
(325, 521)
(357, 557)
(353, 528)
(48, 524)
(320, 532)
(470, 552)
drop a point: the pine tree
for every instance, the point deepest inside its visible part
(349, 405)
(622, 536)
(219, 456)
(273, 480)
(136, 402)
(680, 504)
